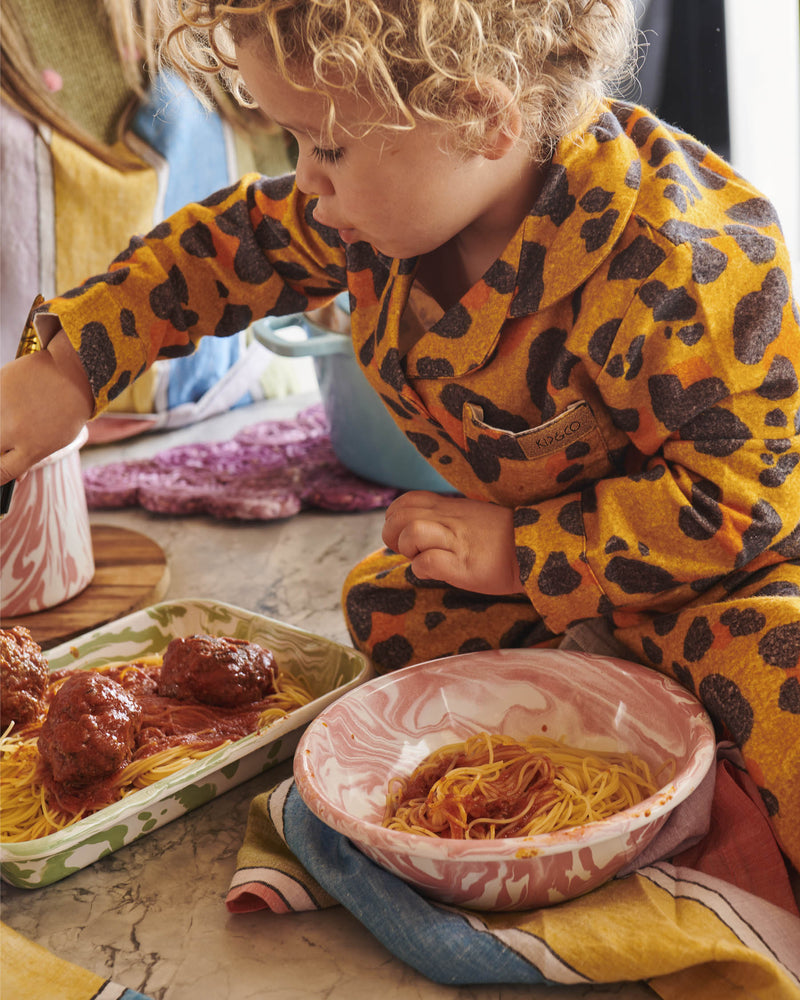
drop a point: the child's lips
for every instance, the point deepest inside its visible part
(347, 235)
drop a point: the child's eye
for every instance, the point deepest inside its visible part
(327, 155)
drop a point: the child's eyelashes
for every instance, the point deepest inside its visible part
(327, 155)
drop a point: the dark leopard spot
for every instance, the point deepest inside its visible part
(392, 653)
(570, 518)
(683, 675)
(557, 577)
(474, 645)
(198, 241)
(454, 324)
(743, 621)
(703, 519)
(601, 340)
(635, 577)
(531, 280)
(764, 527)
(290, 270)
(554, 199)
(708, 263)
(668, 304)
(676, 194)
(365, 599)
(789, 696)
(777, 474)
(642, 130)
(775, 418)
(271, 234)
(698, 639)
(249, 263)
(727, 706)
(625, 420)
(780, 647)
(674, 406)
(781, 380)
(654, 653)
(120, 385)
(758, 318)
(758, 248)
(636, 261)
(391, 369)
(596, 232)
(502, 277)
(526, 558)
(290, 300)
(234, 319)
(597, 199)
(524, 516)
(754, 212)
(716, 432)
(424, 443)
(605, 128)
(127, 323)
(664, 624)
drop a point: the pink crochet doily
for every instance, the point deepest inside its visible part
(268, 470)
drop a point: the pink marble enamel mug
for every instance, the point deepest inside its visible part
(385, 727)
(45, 538)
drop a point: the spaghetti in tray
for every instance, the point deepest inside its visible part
(175, 735)
(492, 786)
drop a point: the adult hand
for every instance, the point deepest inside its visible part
(466, 543)
(45, 400)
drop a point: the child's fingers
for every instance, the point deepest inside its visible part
(14, 463)
(420, 535)
(439, 564)
(419, 505)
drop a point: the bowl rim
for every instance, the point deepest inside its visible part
(649, 811)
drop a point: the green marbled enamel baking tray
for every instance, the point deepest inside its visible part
(328, 668)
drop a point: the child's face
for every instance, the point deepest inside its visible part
(394, 189)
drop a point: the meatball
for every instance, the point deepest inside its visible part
(216, 671)
(23, 677)
(90, 730)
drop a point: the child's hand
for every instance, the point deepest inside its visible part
(45, 399)
(466, 543)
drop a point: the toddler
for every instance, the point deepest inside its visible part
(581, 317)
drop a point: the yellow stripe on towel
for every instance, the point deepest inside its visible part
(652, 926)
(30, 971)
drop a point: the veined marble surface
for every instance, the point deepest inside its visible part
(152, 915)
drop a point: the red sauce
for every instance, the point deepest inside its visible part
(163, 722)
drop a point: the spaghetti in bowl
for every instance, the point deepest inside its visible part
(357, 752)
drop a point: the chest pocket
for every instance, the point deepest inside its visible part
(524, 467)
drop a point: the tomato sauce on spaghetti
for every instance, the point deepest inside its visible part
(492, 786)
(170, 733)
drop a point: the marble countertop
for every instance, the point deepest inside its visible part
(152, 916)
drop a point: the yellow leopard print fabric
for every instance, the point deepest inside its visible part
(625, 377)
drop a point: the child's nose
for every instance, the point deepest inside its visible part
(311, 176)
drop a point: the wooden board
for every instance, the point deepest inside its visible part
(130, 573)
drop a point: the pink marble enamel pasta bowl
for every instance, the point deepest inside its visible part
(387, 726)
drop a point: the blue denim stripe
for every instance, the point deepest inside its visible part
(436, 942)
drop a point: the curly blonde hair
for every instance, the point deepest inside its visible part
(432, 60)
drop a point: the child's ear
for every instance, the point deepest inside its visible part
(500, 114)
